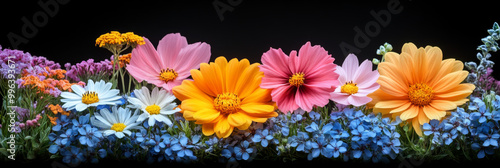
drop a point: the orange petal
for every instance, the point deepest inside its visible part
(406, 67)
(391, 87)
(206, 115)
(404, 107)
(237, 119)
(188, 90)
(443, 105)
(196, 105)
(222, 128)
(207, 129)
(391, 104)
(393, 72)
(433, 114)
(409, 48)
(233, 72)
(391, 57)
(410, 113)
(422, 118)
(420, 65)
(258, 96)
(449, 81)
(434, 59)
(259, 110)
(416, 126)
(249, 80)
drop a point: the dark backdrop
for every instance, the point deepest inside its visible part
(67, 33)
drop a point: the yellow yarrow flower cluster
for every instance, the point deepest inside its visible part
(117, 39)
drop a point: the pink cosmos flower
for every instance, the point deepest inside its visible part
(170, 64)
(356, 82)
(301, 81)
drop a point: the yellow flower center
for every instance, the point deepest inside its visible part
(168, 75)
(118, 127)
(349, 88)
(297, 79)
(153, 109)
(227, 103)
(90, 97)
(420, 94)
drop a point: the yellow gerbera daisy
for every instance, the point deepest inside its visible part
(418, 86)
(224, 95)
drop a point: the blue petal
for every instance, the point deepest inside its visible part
(53, 149)
(245, 156)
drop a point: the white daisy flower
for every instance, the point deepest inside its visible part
(119, 123)
(155, 106)
(94, 94)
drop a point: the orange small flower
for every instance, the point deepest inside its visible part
(58, 109)
(53, 120)
(123, 60)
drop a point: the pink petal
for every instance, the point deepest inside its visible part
(191, 56)
(350, 66)
(285, 99)
(358, 100)
(340, 98)
(273, 82)
(141, 74)
(294, 62)
(145, 56)
(312, 56)
(171, 84)
(307, 97)
(342, 75)
(367, 90)
(364, 76)
(323, 76)
(169, 47)
(275, 61)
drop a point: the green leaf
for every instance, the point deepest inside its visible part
(28, 138)
(3, 151)
(53, 156)
(31, 155)
(35, 144)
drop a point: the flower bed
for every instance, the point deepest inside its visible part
(170, 104)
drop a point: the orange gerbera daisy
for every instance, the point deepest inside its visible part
(224, 95)
(418, 86)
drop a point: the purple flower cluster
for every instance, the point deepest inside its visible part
(19, 58)
(85, 69)
(489, 82)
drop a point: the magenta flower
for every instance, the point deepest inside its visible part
(356, 82)
(170, 64)
(301, 81)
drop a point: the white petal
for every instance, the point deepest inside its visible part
(119, 134)
(108, 132)
(81, 106)
(142, 117)
(127, 132)
(90, 85)
(103, 121)
(135, 102)
(167, 112)
(151, 121)
(79, 90)
(146, 94)
(68, 95)
(164, 120)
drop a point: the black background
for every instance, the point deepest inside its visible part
(251, 27)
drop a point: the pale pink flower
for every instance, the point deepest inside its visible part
(356, 82)
(170, 64)
(301, 81)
